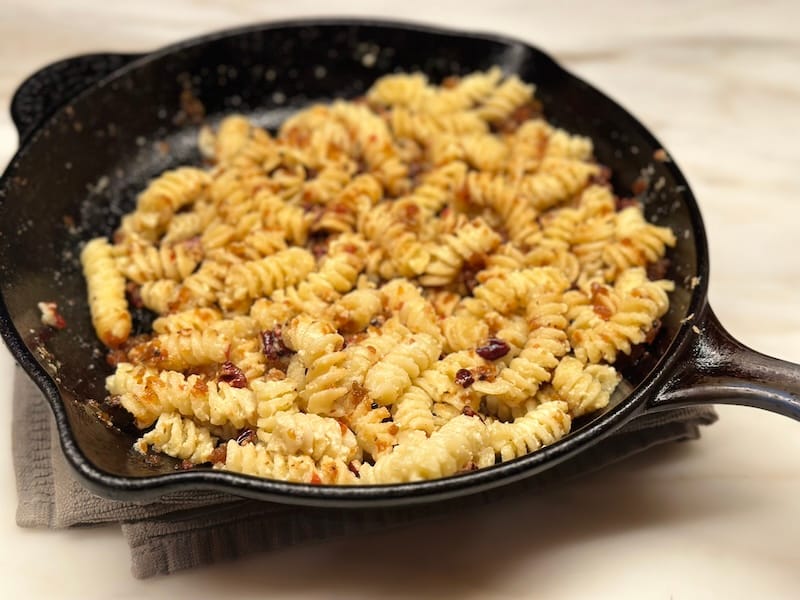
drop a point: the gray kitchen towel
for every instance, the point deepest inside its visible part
(189, 529)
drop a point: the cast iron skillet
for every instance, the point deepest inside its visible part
(93, 129)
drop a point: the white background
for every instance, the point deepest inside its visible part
(719, 84)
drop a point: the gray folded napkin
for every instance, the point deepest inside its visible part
(189, 529)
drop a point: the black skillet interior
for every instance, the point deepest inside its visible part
(79, 171)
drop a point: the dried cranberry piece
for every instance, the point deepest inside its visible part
(464, 378)
(493, 349)
(272, 344)
(232, 375)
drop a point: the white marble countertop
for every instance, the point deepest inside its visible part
(719, 84)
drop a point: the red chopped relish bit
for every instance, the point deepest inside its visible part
(464, 378)
(493, 349)
(50, 315)
(232, 375)
(219, 454)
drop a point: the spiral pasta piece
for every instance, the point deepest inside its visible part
(414, 410)
(254, 459)
(518, 216)
(545, 345)
(354, 311)
(319, 348)
(585, 388)
(542, 426)
(410, 307)
(182, 349)
(557, 182)
(446, 452)
(314, 436)
(340, 214)
(447, 259)
(193, 318)
(232, 135)
(276, 214)
(377, 145)
(337, 275)
(527, 148)
(388, 378)
(395, 234)
(142, 262)
(146, 393)
(164, 196)
(601, 335)
(178, 437)
(328, 183)
(159, 296)
(187, 225)
(507, 97)
(509, 290)
(637, 242)
(106, 290)
(262, 277)
(273, 398)
(562, 144)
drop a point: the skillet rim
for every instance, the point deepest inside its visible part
(135, 488)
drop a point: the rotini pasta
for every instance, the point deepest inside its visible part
(543, 425)
(427, 280)
(163, 197)
(106, 287)
(179, 437)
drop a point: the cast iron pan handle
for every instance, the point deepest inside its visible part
(51, 87)
(714, 368)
